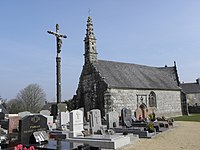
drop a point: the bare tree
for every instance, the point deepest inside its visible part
(31, 98)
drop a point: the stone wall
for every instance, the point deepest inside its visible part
(193, 99)
(168, 102)
(91, 89)
(94, 93)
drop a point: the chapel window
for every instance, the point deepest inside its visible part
(152, 99)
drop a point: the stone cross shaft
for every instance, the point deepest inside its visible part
(58, 60)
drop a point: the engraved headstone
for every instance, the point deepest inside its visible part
(30, 124)
(95, 120)
(76, 123)
(126, 115)
(112, 120)
(64, 118)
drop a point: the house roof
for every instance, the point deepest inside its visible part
(3, 109)
(190, 87)
(126, 75)
(48, 105)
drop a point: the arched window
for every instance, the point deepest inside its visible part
(152, 99)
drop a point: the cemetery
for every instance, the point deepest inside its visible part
(72, 130)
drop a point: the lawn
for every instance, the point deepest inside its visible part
(191, 117)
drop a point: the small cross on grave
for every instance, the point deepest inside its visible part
(77, 114)
(96, 116)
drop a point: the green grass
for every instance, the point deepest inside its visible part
(191, 117)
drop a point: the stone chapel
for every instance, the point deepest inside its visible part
(111, 86)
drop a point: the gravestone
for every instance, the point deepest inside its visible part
(95, 121)
(30, 124)
(24, 113)
(13, 122)
(112, 120)
(51, 125)
(76, 123)
(64, 118)
(50, 122)
(45, 112)
(126, 115)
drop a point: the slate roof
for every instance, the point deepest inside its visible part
(134, 76)
(190, 87)
(172, 72)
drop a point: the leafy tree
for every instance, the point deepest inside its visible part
(31, 98)
(14, 106)
(70, 104)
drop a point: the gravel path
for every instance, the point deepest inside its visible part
(183, 136)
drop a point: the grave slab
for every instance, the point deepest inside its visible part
(103, 141)
(138, 131)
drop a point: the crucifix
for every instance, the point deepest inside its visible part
(58, 60)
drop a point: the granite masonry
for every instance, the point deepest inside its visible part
(111, 86)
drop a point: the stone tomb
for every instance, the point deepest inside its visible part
(30, 124)
(95, 121)
(95, 140)
(136, 131)
(112, 120)
(103, 141)
(76, 123)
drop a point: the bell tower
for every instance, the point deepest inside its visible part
(90, 43)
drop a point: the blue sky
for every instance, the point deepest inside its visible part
(153, 33)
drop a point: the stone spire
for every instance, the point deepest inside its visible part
(90, 43)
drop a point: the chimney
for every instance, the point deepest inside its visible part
(198, 81)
